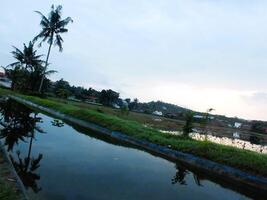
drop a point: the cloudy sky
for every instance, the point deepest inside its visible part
(194, 53)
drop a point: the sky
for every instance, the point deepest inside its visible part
(194, 53)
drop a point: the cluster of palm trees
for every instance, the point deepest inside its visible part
(29, 72)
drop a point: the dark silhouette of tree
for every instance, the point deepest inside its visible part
(52, 28)
(27, 58)
(26, 169)
(197, 180)
(17, 75)
(108, 97)
(18, 123)
(28, 69)
(26, 61)
(62, 88)
(205, 120)
(134, 104)
(180, 175)
(189, 117)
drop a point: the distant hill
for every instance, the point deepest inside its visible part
(165, 108)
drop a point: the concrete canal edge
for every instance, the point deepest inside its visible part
(19, 183)
(223, 171)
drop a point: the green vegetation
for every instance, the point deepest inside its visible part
(8, 190)
(242, 159)
(27, 70)
(188, 123)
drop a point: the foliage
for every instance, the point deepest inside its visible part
(7, 192)
(52, 27)
(62, 88)
(108, 97)
(205, 120)
(259, 127)
(133, 105)
(188, 123)
(124, 109)
(27, 58)
(28, 69)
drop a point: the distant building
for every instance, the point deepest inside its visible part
(114, 105)
(202, 117)
(159, 113)
(237, 125)
(236, 135)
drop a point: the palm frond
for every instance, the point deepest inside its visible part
(43, 18)
(52, 27)
(49, 72)
(62, 30)
(64, 22)
(58, 42)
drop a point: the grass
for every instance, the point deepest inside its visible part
(245, 160)
(8, 190)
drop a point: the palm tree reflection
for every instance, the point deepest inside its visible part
(180, 176)
(26, 170)
(20, 124)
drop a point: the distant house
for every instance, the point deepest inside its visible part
(114, 105)
(237, 125)
(159, 113)
(202, 117)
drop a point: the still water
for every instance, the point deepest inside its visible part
(57, 160)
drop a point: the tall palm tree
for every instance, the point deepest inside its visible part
(26, 58)
(52, 28)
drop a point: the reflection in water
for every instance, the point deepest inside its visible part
(57, 122)
(20, 124)
(26, 170)
(181, 174)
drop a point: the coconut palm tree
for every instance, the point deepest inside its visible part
(52, 28)
(26, 62)
(26, 58)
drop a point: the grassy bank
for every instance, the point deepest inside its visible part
(8, 190)
(242, 159)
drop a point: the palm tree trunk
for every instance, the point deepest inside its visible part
(29, 154)
(46, 63)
